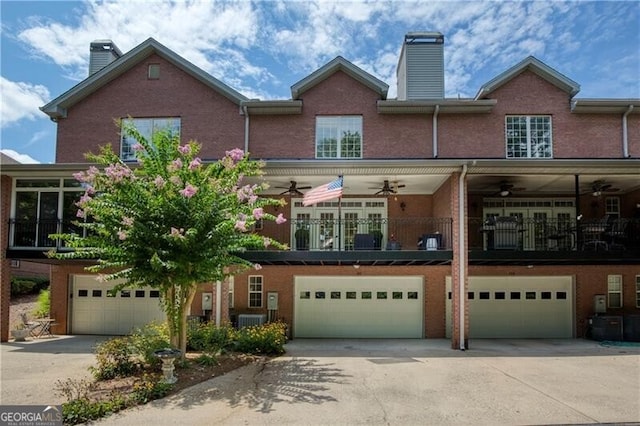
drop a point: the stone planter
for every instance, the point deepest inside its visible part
(20, 335)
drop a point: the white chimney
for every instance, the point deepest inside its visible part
(102, 53)
(420, 72)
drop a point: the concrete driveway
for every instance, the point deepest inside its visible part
(415, 382)
(373, 382)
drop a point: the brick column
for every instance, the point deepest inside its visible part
(458, 282)
(5, 265)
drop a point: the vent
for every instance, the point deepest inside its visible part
(101, 54)
(247, 320)
(421, 67)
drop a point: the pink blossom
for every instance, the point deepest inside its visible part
(101, 278)
(266, 241)
(122, 235)
(258, 213)
(128, 221)
(80, 213)
(177, 164)
(137, 147)
(117, 172)
(90, 190)
(79, 176)
(188, 191)
(235, 154)
(175, 180)
(195, 163)
(83, 200)
(252, 199)
(280, 219)
(241, 225)
(257, 266)
(159, 182)
(184, 149)
(177, 233)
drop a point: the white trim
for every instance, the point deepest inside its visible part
(614, 280)
(249, 292)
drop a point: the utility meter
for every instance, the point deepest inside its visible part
(272, 301)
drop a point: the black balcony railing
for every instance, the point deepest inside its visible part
(501, 234)
(512, 233)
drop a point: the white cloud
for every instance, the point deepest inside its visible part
(22, 158)
(21, 101)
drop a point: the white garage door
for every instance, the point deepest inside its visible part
(518, 307)
(94, 310)
(358, 307)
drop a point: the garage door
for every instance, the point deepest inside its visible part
(358, 307)
(94, 310)
(518, 307)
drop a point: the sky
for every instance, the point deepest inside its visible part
(262, 48)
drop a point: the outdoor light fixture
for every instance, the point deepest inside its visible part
(597, 193)
(505, 193)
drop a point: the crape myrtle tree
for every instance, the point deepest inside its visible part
(170, 221)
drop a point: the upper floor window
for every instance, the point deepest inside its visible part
(147, 127)
(528, 136)
(339, 136)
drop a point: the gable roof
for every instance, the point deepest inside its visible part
(57, 108)
(536, 66)
(330, 68)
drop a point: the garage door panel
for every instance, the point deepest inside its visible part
(96, 310)
(518, 307)
(358, 307)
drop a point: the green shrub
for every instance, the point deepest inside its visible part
(79, 408)
(207, 360)
(148, 339)
(20, 286)
(42, 283)
(268, 339)
(148, 388)
(115, 358)
(43, 304)
(210, 338)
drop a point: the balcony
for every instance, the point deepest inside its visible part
(407, 241)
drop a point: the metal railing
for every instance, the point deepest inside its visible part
(512, 233)
(404, 234)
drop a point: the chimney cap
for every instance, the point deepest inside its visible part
(104, 44)
(424, 36)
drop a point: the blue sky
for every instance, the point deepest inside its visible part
(262, 48)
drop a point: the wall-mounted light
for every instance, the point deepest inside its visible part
(597, 193)
(403, 205)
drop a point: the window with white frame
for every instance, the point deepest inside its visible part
(255, 291)
(231, 288)
(146, 127)
(528, 136)
(612, 207)
(614, 290)
(339, 136)
(637, 291)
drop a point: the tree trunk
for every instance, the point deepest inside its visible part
(191, 293)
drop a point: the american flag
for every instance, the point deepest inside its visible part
(325, 192)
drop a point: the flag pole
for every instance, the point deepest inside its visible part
(340, 217)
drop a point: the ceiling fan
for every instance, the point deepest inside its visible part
(387, 189)
(293, 188)
(507, 189)
(599, 186)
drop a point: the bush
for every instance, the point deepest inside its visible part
(22, 286)
(210, 338)
(43, 304)
(268, 339)
(115, 358)
(148, 388)
(147, 340)
(79, 408)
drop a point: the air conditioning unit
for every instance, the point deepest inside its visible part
(247, 320)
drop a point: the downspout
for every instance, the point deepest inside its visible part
(245, 111)
(462, 252)
(625, 140)
(218, 303)
(435, 131)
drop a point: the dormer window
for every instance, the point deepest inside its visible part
(339, 136)
(528, 136)
(146, 127)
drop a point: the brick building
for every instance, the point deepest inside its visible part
(511, 214)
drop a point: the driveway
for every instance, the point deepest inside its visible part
(415, 382)
(373, 382)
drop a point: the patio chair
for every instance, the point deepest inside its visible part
(617, 234)
(30, 325)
